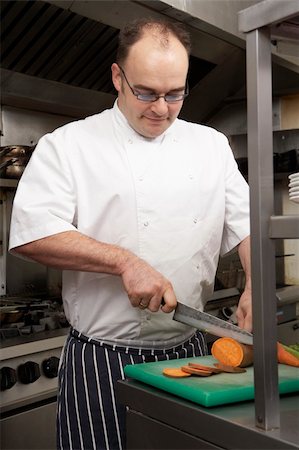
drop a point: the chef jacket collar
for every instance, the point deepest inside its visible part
(124, 124)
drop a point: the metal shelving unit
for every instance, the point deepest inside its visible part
(257, 22)
(8, 183)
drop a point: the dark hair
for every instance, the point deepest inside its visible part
(135, 30)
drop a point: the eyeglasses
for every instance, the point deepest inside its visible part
(169, 98)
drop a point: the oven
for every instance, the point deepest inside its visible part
(29, 361)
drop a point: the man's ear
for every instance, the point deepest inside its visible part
(116, 76)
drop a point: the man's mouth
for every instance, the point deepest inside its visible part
(156, 119)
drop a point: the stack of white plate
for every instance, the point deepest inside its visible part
(294, 187)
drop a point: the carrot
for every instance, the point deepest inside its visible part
(175, 372)
(231, 353)
(202, 367)
(284, 357)
(199, 372)
(291, 349)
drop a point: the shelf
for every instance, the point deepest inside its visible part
(284, 227)
(8, 183)
(266, 13)
(261, 22)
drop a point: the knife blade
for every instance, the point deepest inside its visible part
(213, 325)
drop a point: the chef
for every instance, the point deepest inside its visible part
(134, 205)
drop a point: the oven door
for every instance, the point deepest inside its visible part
(30, 428)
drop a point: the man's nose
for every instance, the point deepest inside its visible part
(160, 106)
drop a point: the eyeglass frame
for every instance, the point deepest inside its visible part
(155, 97)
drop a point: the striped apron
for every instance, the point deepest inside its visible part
(88, 414)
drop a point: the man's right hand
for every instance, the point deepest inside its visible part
(146, 286)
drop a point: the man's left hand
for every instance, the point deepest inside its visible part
(244, 311)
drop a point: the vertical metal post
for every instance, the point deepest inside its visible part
(3, 241)
(260, 163)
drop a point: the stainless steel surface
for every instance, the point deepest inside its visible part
(267, 12)
(44, 41)
(288, 294)
(26, 91)
(260, 155)
(260, 152)
(29, 386)
(230, 426)
(24, 128)
(34, 429)
(72, 45)
(284, 227)
(3, 247)
(210, 324)
(36, 349)
(224, 293)
(288, 332)
(75, 49)
(208, 42)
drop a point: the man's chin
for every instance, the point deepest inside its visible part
(152, 132)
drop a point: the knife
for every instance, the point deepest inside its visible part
(213, 325)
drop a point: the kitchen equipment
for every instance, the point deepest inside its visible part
(17, 150)
(11, 168)
(4, 165)
(209, 391)
(213, 325)
(29, 385)
(13, 160)
(294, 187)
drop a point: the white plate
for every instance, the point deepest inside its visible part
(294, 175)
(292, 190)
(295, 199)
(294, 183)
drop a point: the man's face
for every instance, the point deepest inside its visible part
(149, 69)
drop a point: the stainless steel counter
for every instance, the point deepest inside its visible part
(157, 420)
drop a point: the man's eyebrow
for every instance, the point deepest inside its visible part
(146, 88)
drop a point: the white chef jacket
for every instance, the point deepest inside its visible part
(177, 201)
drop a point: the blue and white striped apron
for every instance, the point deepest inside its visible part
(88, 414)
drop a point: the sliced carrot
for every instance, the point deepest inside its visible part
(229, 352)
(192, 371)
(202, 367)
(229, 369)
(175, 372)
(290, 349)
(284, 357)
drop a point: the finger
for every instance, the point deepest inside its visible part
(135, 301)
(169, 302)
(244, 321)
(247, 324)
(143, 304)
(240, 317)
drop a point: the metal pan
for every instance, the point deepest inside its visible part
(17, 150)
(11, 169)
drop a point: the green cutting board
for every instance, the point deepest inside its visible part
(209, 391)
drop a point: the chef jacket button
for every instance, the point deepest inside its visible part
(195, 220)
(130, 141)
(140, 179)
(191, 177)
(146, 224)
